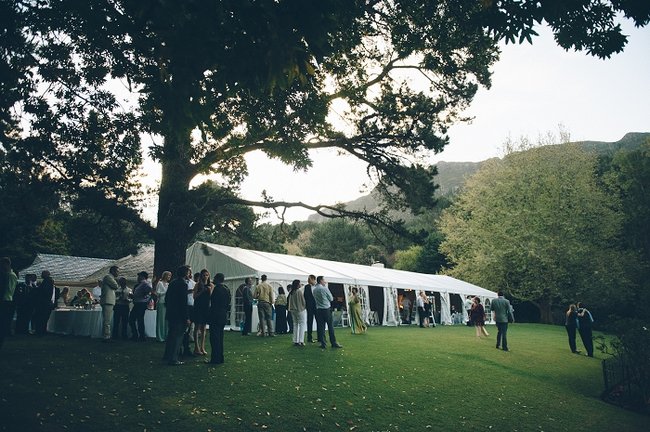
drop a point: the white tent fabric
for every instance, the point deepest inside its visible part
(445, 309)
(391, 308)
(237, 264)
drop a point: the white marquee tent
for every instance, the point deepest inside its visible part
(237, 264)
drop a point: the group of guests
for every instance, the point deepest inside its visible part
(188, 303)
(424, 308)
(31, 301)
(578, 318)
(122, 306)
(184, 308)
(209, 306)
(296, 311)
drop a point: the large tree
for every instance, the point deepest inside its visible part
(538, 225)
(214, 80)
(628, 177)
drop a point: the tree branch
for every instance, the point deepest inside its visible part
(328, 211)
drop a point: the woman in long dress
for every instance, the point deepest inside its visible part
(354, 309)
(161, 311)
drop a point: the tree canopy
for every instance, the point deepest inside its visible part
(538, 225)
(212, 81)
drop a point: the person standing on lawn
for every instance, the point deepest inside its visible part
(218, 317)
(310, 305)
(45, 297)
(8, 282)
(177, 315)
(161, 320)
(324, 299)
(202, 291)
(357, 326)
(107, 300)
(264, 295)
(281, 312)
(297, 309)
(571, 325)
(502, 314)
(478, 318)
(467, 305)
(584, 328)
(188, 337)
(141, 296)
(247, 301)
(24, 302)
(121, 309)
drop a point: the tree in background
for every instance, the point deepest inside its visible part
(538, 225)
(213, 81)
(407, 259)
(425, 258)
(628, 177)
(336, 240)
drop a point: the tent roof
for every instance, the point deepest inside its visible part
(237, 263)
(65, 269)
(129, 265)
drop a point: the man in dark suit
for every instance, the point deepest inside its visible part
(177, 315)
(217, 318)
(310, 304)
(24, 300)
(44, 301)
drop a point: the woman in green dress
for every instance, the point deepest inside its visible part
(354, 309)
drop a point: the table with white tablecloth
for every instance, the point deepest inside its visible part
(76, 322)
(88, 322)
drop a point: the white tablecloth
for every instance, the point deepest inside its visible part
(82, 322)
(76, 322)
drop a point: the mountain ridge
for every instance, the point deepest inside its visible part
(452, 175)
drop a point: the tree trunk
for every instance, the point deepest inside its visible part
(545, 312)
(176, 212)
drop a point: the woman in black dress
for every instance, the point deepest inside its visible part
(201, 294)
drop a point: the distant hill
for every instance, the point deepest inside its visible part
(452, 175)
(631, 141)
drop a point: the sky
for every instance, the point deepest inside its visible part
(536, 89)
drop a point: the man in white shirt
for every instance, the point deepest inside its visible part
(188, 337)
(467, 305)
(97, 291)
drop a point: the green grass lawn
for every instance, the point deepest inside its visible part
(392, 379)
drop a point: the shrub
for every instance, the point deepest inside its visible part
(627, 372)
